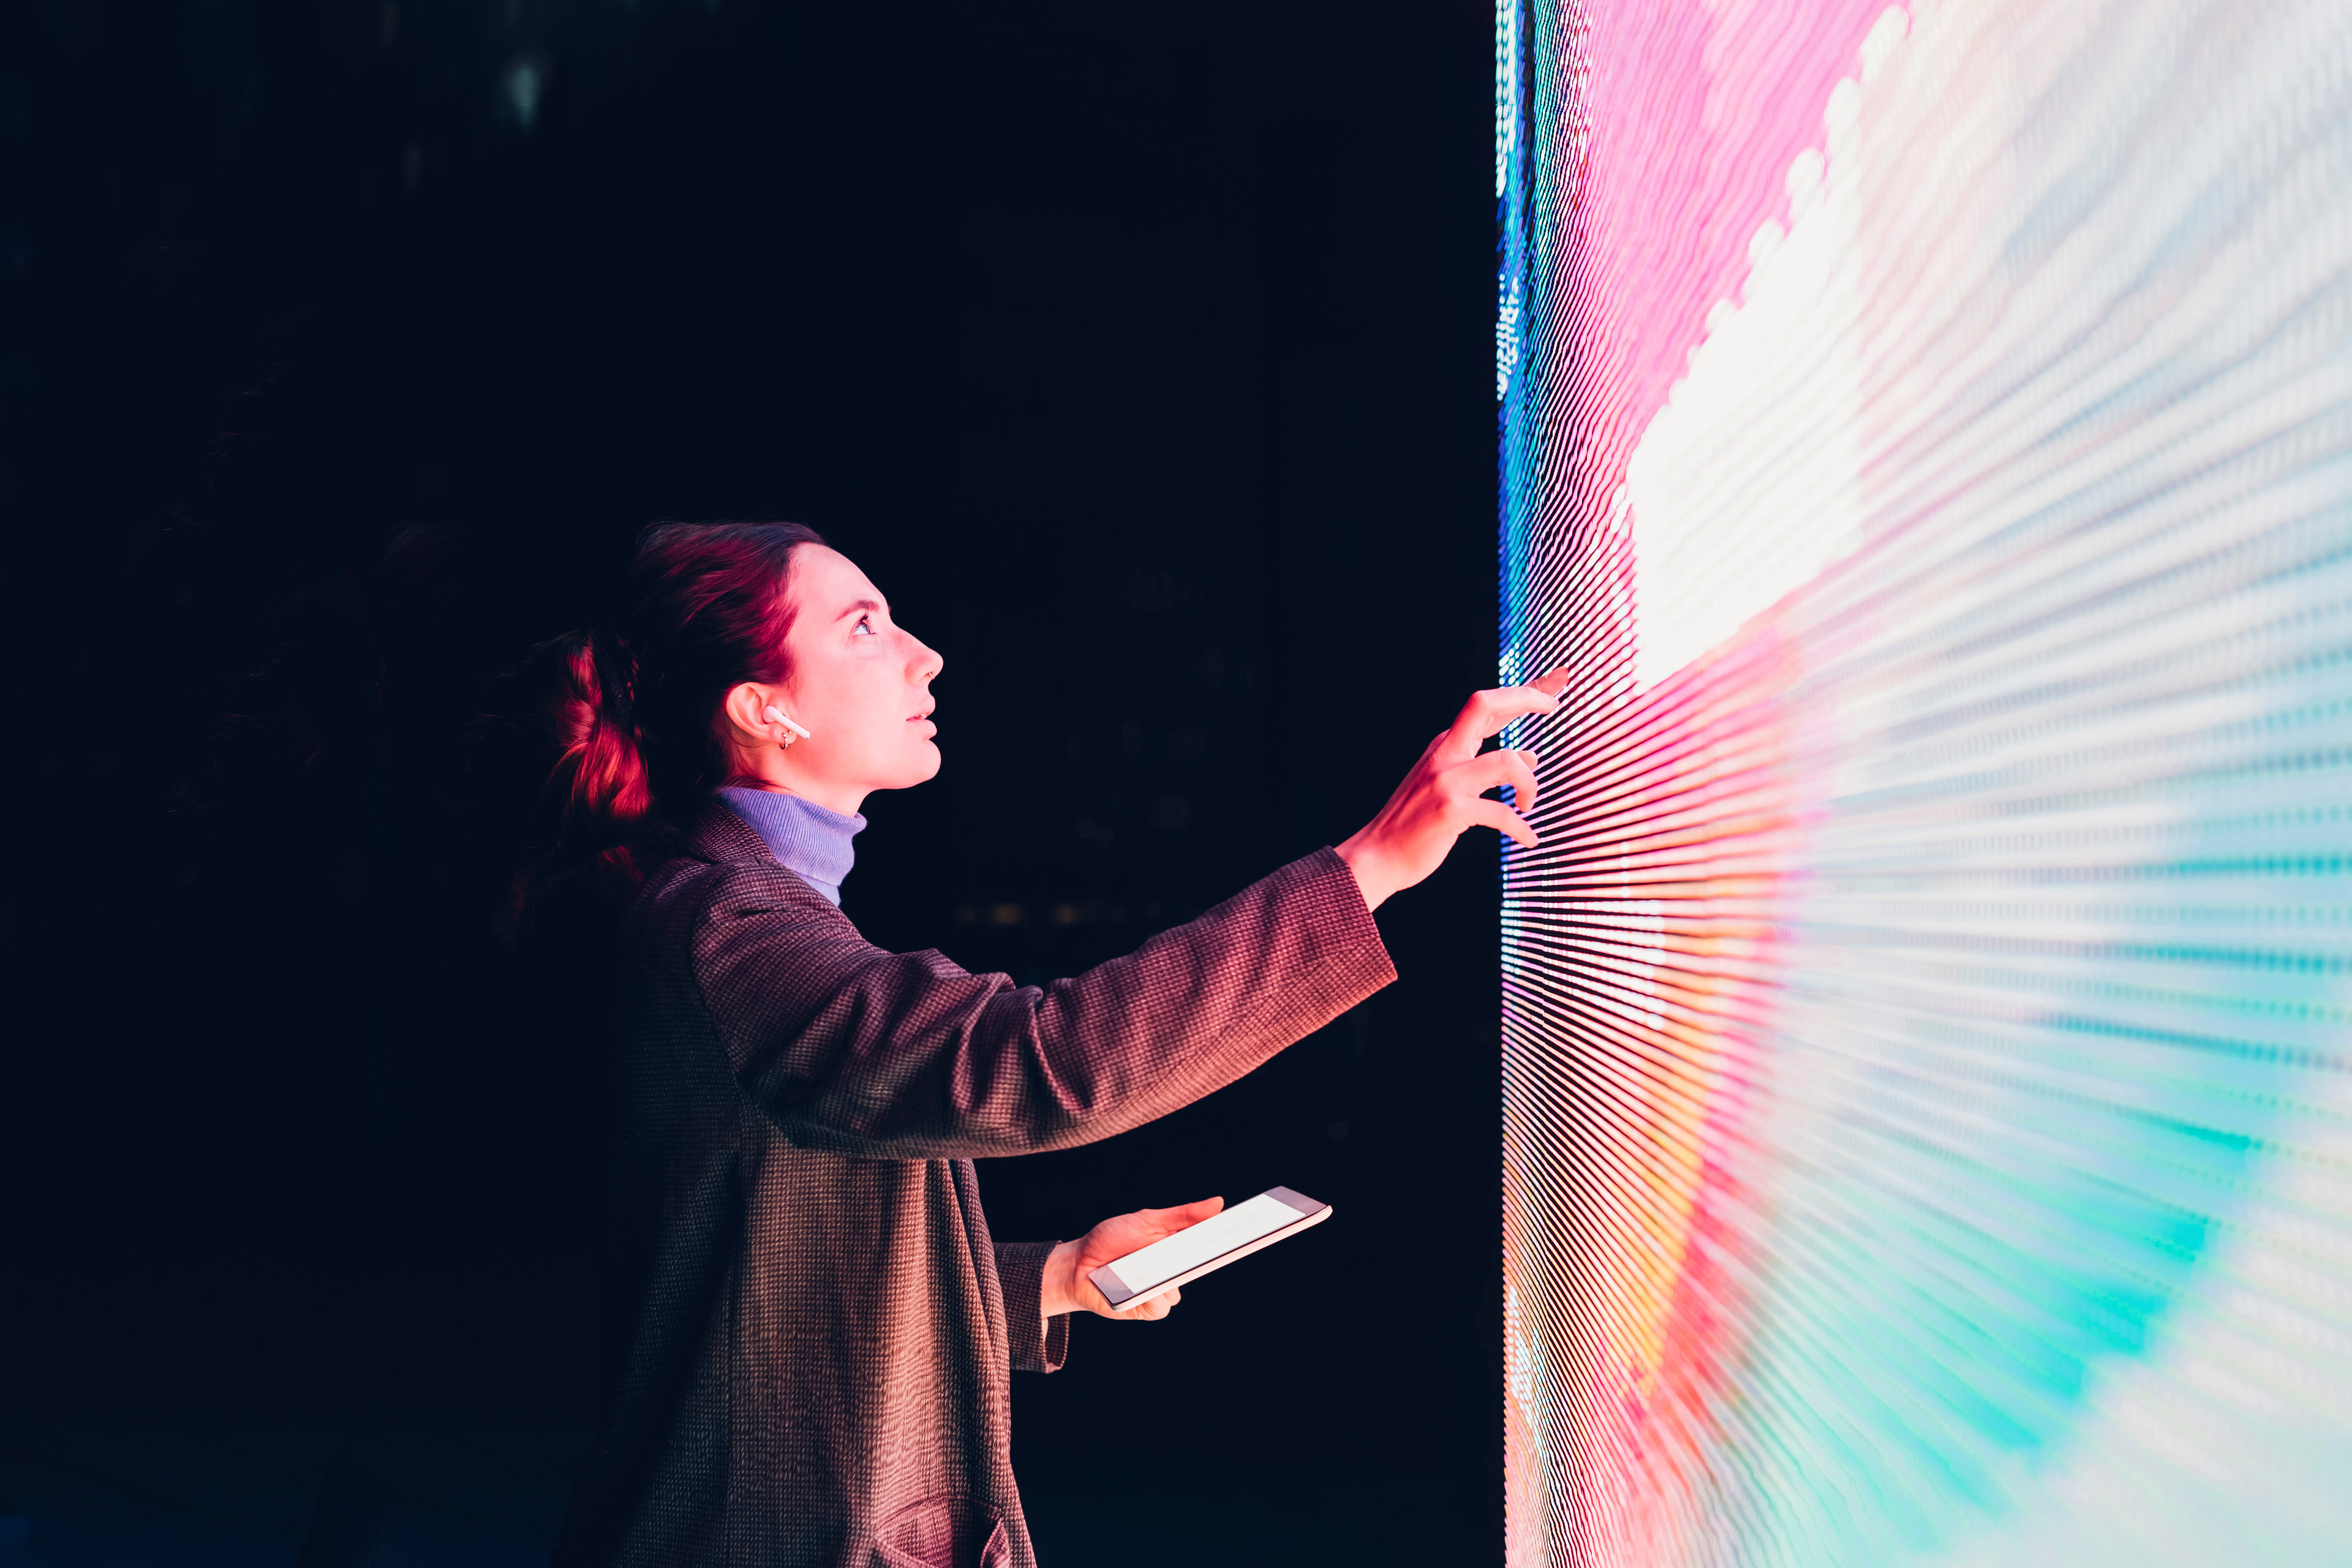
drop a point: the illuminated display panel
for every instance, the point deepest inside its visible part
(1927, 1115)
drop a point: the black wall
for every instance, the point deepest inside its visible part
(1140, 355)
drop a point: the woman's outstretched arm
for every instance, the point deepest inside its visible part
(907, 1056)
(902, 1056)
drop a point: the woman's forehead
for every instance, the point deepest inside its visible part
(826, 582)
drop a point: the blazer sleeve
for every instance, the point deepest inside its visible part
(857, 1052)
(1037, 1343)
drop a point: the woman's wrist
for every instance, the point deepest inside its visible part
(1374, 880)
(1057, 1292)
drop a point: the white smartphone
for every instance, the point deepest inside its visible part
(1197, 1250)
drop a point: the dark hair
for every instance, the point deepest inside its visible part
(704, 608)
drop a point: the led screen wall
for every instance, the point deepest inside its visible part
(1928, 434)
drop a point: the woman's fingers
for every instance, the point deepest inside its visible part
(1154, 1308)
(1552, 682)
(1493, 769)
(1503, 819)
(1488, 711)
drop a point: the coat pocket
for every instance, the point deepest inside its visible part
(948, 1532)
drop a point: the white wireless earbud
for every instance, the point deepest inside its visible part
(775, 715)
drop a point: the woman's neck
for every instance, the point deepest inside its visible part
(774, 773)
(807, 838)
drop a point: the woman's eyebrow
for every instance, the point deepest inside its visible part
(860, 605)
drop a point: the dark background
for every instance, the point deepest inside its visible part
(1140, 355)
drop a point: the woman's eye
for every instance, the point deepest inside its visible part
(864, 628)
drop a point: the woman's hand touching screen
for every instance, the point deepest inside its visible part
(1446, 793)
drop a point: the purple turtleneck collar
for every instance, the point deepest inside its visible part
(805, 838)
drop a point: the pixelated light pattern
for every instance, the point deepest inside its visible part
(1928, 435)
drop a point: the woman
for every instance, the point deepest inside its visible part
(818, 1369)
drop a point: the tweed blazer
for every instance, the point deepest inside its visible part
(818, 1372)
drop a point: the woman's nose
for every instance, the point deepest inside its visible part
(927, 663)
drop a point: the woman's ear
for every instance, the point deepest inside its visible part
(744, 705)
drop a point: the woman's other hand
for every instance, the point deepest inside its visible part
(1446, 793)
(1067, 1287)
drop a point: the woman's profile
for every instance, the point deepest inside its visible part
(825, 1327)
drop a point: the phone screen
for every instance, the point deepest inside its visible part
(1239, 1225)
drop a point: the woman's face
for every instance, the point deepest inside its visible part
(860, 685)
